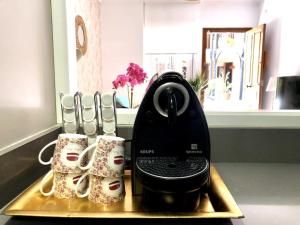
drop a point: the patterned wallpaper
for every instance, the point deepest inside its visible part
(89, 65)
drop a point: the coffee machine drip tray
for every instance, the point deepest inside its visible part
(172, 167)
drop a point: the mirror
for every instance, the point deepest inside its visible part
(81, 35)
(165, 34)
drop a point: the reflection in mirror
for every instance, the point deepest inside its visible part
(164, 35)
(230, 63)
(80, 35)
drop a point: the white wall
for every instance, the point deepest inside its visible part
(282, 39)
(122, 37)
(88, 65)
(167, 24)
(282, 36)
(172, 28)
(27, 99)
(177, 27)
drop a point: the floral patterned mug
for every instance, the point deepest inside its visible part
(64, 184)
(107, 159)
(67, 150)
(104, 190)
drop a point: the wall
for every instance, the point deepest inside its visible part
(282, 40)
(122, 37)
(20, 168)
(172, 28)
(177, 27)
(89, 65)
(166, 24)
(27, 100)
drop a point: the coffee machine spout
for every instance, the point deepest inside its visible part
(172, 107)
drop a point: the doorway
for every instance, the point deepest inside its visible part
(233, 62)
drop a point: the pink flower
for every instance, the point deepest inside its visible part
(120, 81)
(134, 75)
(132, 81)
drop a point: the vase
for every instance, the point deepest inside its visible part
(130, 96)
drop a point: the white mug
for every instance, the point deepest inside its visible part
(108, 157)
(105, 190)
(64, 184)
(67, 150)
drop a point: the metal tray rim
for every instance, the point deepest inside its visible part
(218, 188)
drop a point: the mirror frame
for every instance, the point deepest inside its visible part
(79, 24)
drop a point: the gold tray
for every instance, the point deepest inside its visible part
(219, 203)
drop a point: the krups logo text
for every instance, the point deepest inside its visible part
(147, 151)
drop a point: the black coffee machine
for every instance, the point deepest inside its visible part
(170, 150)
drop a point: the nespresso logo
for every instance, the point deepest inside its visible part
(147, 151)
(194, 146)
(194, 151)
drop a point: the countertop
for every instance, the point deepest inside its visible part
(267, 193)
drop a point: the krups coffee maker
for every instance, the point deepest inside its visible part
(170, 150)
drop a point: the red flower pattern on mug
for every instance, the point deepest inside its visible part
(98, 196)
(100, 166)
(57, 165)
(61, 188)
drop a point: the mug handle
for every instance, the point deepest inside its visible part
(43, 182)
(79, 195)
(82, 154)
(41, 152)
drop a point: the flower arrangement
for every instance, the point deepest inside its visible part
(134, 75)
